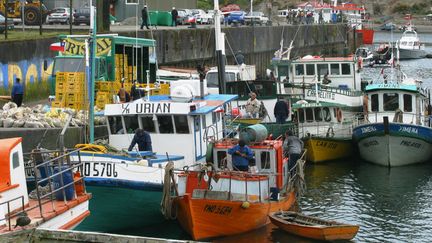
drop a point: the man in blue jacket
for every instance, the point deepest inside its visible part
(143, 139)
(241, 154)
(17, 92)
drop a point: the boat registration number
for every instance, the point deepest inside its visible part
(216, 209)
(98, 169)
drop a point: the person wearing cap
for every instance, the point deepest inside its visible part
(241, 155)
(144, 16)
(174, 15)
(17, 92)
(253, 106)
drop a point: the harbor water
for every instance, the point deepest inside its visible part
(389, 204)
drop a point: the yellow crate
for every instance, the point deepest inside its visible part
(57, 104)
(105, 86)
(116, 86)
(60, 96)
(74, 98)
(102, 95)
(74, 88)
(74, 105)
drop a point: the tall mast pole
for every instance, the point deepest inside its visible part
(220, 49)
(93, 66)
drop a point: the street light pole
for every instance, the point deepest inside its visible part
(70, 17)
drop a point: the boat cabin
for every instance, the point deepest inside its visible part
(343, 72)
(179, 127)
(404, 103)
(321, 119)
(410, 40)
(268, 159)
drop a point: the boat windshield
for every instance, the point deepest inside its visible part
(213, 81)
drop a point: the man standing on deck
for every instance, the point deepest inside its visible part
(174, 15)
(292, 148)
(241, 154)
(252, 106)
(17, 92)
(143, 139)
(144, 16)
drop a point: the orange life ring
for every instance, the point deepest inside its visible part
(339, 115)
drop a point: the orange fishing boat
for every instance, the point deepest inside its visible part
(63, 206)
(216, 201)
(311, 227)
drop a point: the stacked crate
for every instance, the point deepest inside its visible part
(70, 90)
(104, 91)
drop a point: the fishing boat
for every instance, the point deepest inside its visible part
(327, 135)
(410, 46)
(216, 201)
(62, 203)
(313, 228)
(396, 130)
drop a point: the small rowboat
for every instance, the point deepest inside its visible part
(311, 227)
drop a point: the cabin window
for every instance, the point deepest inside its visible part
(346, 69)
(131, 123)
(334, 69)
(15, 160)
(221, 159)
(115, 125)
(204, 123)
(407, 99)
(323, 69)
(181, 124)
(219, 114)
(148, 124)
(326, 114)
(165, 124)
(265, 160)
(214, 117)
(391, 101)
(318, 115)
(310, 69)
(301, 115)
(283, 71)
(299, 69)
(309, 115)
(374, 102)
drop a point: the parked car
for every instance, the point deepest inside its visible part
(10, 24)
(256, 18)
(183, 16)
(59, 15)
(81, 16)
(212, 14)
(388, 26)
(202, 17)
(235, 17)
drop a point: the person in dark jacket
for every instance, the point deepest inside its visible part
(239, 58)
(241, 154)
(143, 139)
(134, 91)
(281, 111)
(144, 16)
(292, 147)
(17, 92)
(174, 15)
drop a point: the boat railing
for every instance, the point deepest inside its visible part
(62, 166)
(400, 117)
(336, 90)
(326, 129)
(10, 214)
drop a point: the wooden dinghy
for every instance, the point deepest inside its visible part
(311, 227)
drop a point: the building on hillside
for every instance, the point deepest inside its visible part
(123, 9)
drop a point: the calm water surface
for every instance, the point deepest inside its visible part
(390, 205)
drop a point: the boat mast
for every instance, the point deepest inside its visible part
(92, 68)
(220, 48)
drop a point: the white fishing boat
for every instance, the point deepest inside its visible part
(395, 131)
(62, 203)
(410, 46)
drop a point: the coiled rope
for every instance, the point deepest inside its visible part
(167, 198)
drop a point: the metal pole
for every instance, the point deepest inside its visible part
(41, 17)
(93, 66)
(220, 49)
(70, 17)
(22, 14)
(6, 18)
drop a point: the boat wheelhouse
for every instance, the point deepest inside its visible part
(180, 128)
(308, 78)
(325, 131)
(395, 131)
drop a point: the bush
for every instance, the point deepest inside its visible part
(401, 8)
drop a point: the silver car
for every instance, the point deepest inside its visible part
(59, 15)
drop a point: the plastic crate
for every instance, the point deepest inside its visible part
(74, 98)
(105, 86)
(74, 105)
(57, 104)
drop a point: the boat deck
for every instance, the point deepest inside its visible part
(50, 209)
